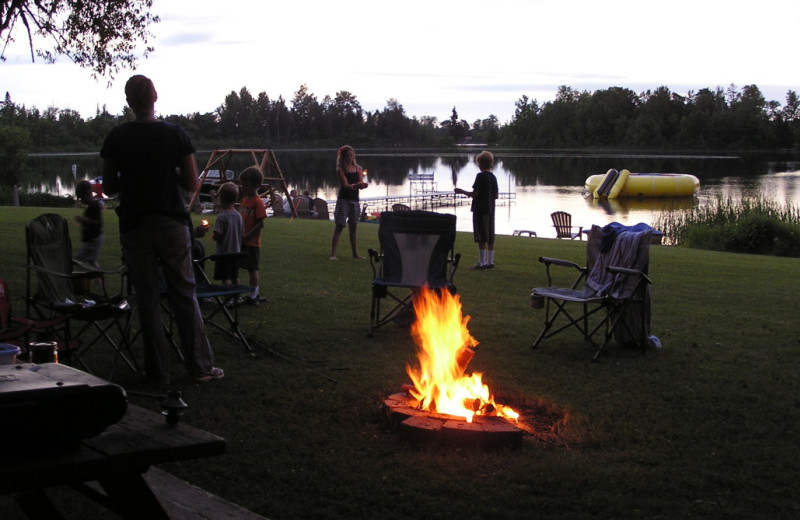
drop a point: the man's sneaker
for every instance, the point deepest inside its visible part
(489, 266)
(214, 373)
(477, 267)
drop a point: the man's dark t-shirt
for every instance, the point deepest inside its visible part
(147, 155)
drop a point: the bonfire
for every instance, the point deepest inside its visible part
(441, 383)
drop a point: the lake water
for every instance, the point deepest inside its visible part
(538, 183)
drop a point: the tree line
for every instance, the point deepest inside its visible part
(719, 119)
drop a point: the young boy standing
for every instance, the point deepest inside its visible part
(484, 193)
(253, 214)
(228, 233)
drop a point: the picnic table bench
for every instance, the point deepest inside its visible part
(116, 459)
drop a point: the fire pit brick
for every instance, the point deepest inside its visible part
(400, 414)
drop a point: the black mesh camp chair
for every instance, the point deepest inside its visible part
(611, 294)
(416, 250)
(223, 299)
(56, 287)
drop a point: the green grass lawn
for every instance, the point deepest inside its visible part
(706, 427)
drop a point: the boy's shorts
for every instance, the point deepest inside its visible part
(483, 227)
(251, 259)
(226, 269)
(346, 210)
(89, 251)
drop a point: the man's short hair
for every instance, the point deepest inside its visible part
(140, 92)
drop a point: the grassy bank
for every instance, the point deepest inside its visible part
(705, 427)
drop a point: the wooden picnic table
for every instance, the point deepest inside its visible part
(116, 459)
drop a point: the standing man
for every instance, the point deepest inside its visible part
(149, 163)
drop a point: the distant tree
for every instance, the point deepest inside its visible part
(521, 129)
(568, 94)
(98, 34)
(657, 119)
(263, 111)
(306, 114)
(392, 124)
(456, 129)
(606, 115)
(344, 116)
(14, 144)
(791, 110)
(486, 130)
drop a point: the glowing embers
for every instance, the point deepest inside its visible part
(444, 402)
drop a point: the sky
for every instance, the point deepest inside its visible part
(432, 55)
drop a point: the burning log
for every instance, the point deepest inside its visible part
(465, 355)
(480, 407)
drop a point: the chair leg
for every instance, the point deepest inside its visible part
(374, 311)
(234, 330)
(401, 305)
(581, 322)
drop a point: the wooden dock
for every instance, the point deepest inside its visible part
(427, 201)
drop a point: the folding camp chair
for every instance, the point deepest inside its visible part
(416, 250)
(20, 331)
(614, 286)
(223, 299)
(562, 222)
(57, 291)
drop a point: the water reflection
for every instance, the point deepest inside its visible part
(541, 182)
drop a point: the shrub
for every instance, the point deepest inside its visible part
(38, 199)
(751, 226)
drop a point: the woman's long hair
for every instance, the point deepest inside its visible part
(340, 157)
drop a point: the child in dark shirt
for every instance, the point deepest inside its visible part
(91, 223)
(484, 193)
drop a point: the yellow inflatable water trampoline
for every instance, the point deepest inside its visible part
(615, 184)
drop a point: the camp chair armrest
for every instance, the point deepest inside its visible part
(547, 261)
(454, 264)
(39, 323)
(558, 261)
(374, 258)
(626, 271)
(73, 275)
(97, 271)
(221, 256)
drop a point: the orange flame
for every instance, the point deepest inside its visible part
(444, 350)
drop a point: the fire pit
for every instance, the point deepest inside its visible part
(401, 413)
(443, 403)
